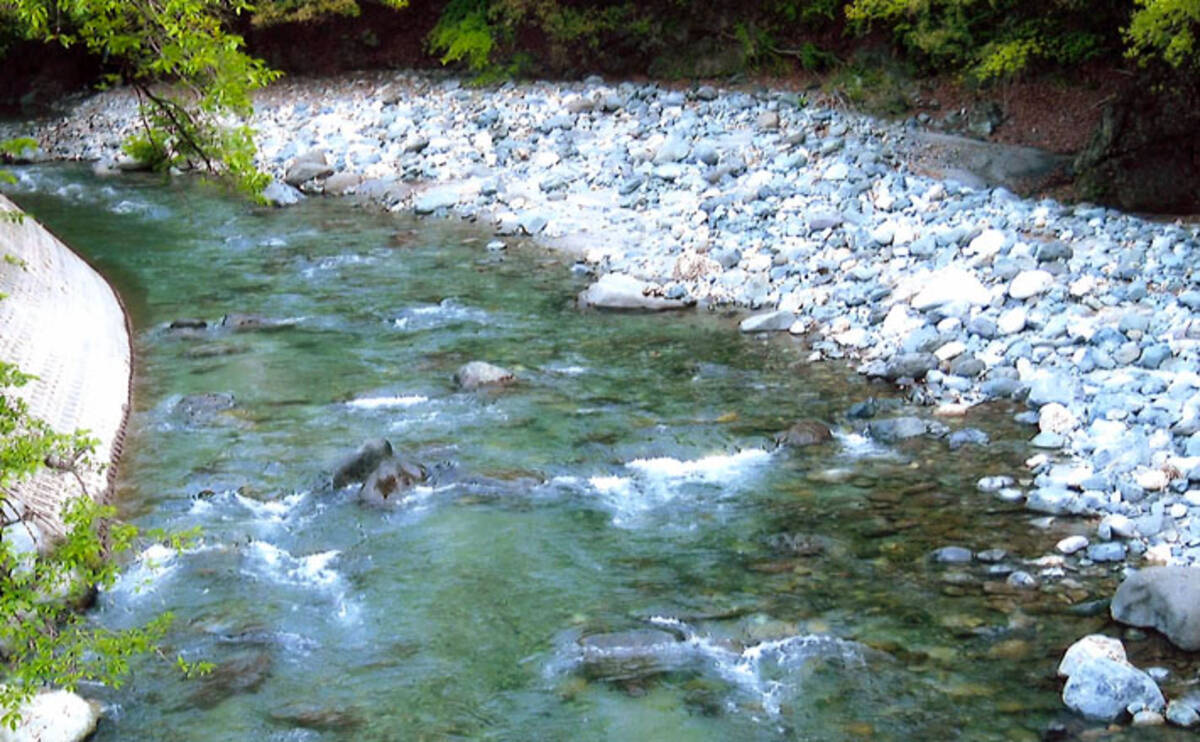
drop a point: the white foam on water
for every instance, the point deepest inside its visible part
(231, 505)
(150, 569)
(448, 311)
(715, 468)
(769, 669)
(858, 446)
(657, 482)
(277, 564)
(375, 403)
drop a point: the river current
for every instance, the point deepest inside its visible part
(611, 549)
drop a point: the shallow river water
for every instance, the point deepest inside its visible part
(625, 490)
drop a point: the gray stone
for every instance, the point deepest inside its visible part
(478, 374)
(1087, 649)
(1110, 551)
(911, 366)
(968, 437)
(358, 466)
(1102, 689)
(804, 433)
(307, 167)
(951, 555)
(442, 197)
(622, 291)
(779, 321)
(390, 478)
(281, 194)
(1162, 598)
(896, 429)
(1182, 714)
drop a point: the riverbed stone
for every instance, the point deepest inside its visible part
(624, 292)
(893, 430)
(1102, 689)
(630, 655)
(306, 167)
(1162, 598)
(803, 434)
(388, 482)
(357, 466)
(477, 374)
(1087, 649)
(1027, 284)
(778, 321)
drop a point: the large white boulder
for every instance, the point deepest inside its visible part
(54, 716)
(1103, 689)
(1163, 598)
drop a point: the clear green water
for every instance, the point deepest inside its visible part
(627, 476)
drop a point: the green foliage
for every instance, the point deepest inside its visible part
(184, 43)
(44, 639)
(273, 12)
(464, 34)
(1165, 30)
(994, 39)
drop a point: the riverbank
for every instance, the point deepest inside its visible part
(816, 220)
(64, 325)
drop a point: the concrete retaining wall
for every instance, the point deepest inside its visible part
(62, 322)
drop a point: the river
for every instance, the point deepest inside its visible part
(624, 494)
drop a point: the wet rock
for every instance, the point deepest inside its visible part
(478, 374)
(1182, 714)
(187, 323)
(621, 291)
(1162, 598)
(1087, 649)
(243, 673)
(769, 322)
(630, 655)
(281, 194)
(951, 555)
(804, 433)
(53, 716)
(307, 167)
(967, 437)
(313, 716)
(910, 366)
(1102, 689)
(897, 429)
(203, 408)
(246, 322)
(389, 480)
(356, 467)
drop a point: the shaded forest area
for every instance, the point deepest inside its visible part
(1124, 70)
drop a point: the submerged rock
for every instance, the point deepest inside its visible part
(357, 466)
(390, 478)
(241, 674)
(478, 374)
(203, 408)
(629, 655)
(320, 718)
(804, 433)
(1162, 598)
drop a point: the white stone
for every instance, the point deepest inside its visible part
(1056, 418)
(1152, 479)
(1012, 321)
(952, 349)
(988, 243)
(1030, 283)
(837, 171)
(53, 716)
(949, 285)
(1071, 544)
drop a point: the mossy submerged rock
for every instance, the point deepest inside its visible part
(357, 466)
(804, 433)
